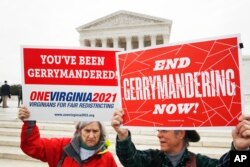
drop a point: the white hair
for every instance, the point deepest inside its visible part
(80, 125)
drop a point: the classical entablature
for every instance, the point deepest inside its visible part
(126, 30)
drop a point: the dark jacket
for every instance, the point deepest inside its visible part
(131, 157)
(5, 90)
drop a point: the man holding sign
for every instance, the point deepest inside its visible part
(180, 87)
(173, 147)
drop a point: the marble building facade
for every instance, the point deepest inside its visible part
(126, 30)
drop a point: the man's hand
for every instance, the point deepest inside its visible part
(116, 123)
(241, 134)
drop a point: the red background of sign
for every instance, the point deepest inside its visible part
(31, 59)
(205, 56)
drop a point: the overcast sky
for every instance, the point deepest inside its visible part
(54, 23)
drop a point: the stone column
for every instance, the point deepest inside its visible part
(165, 39)
(128, 43)
(92, 42)
(140, 41)
(115, 42)
(153, 40)
(104, 42)
(82, 42)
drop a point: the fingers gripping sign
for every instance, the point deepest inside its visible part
(23, 113)
(116, 123)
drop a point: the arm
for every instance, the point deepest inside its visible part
(47, 150)
(241, 139)
(116, 123)
(126, 151)
(129, 156)
(241, 134)
(30, 141)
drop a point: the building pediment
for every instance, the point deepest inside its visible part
(123, 19)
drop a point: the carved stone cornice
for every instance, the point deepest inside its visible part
(123, 19)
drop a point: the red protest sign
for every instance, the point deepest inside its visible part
(61, 66)
(193, 84)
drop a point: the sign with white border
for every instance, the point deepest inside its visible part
(186, 85)
(70, 84)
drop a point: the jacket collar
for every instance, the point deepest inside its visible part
(73, 150)
(186, 158)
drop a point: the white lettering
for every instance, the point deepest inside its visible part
(181, 108)
(167, 64)
(240, 158)
(91, 60)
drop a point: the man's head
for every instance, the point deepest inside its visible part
(173, 141)
(91, 133)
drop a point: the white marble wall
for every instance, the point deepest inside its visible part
(245, 77)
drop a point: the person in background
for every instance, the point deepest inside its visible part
(174, 147)
(88, 147)
(1, 95)
(20, 96)
(5, 91)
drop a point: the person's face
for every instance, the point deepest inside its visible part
(91, 134)
(170, 141)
